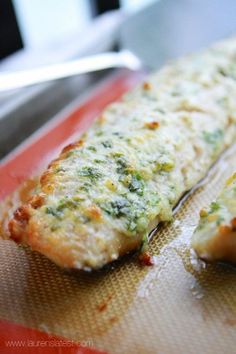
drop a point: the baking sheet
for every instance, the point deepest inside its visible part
(180, 305)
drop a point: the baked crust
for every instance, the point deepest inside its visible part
(100, 198)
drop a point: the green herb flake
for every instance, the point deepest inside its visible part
(122, 165)
(118, 134)
(214, 207)
(70, 153)
(53, 211)
(99, 161)
(117, 208)
(107, 144)
(60, 169)
(134, 212)
(160, 110)
(90, 172)
(136, 185)
(54, 228)
(99, 133)
(144, 244)
(117, 154)
(92, 148)
(213, 138)
(67, 203)
(85, 187)
(165, 166)
(132, 226)
(229, 71)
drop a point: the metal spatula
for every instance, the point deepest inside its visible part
(164, 30)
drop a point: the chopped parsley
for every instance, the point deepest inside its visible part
(118, 134)
(136, 185)
(144, 244)
(164, 166)
(52, 211)
(91, 172)
(92, 148)
(133, 211)
(60, 169)
(117, 208)
(86, 187)
(117, 154)
(229, 71)
(214, 207)
(99, 161)
(107, 144)
(122, 164)
(69, 203)
(64, 203)
(70, 153)
(99, 133)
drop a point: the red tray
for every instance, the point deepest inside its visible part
(31, 156)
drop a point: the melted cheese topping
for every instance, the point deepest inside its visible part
(215, 237)
(105, 193)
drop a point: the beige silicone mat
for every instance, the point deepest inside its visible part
(179, 305)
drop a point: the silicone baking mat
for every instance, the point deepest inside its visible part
(179, 305)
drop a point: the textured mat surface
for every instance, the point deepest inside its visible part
(178, 305)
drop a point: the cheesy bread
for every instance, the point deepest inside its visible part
(103, 195)
(215, 236)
